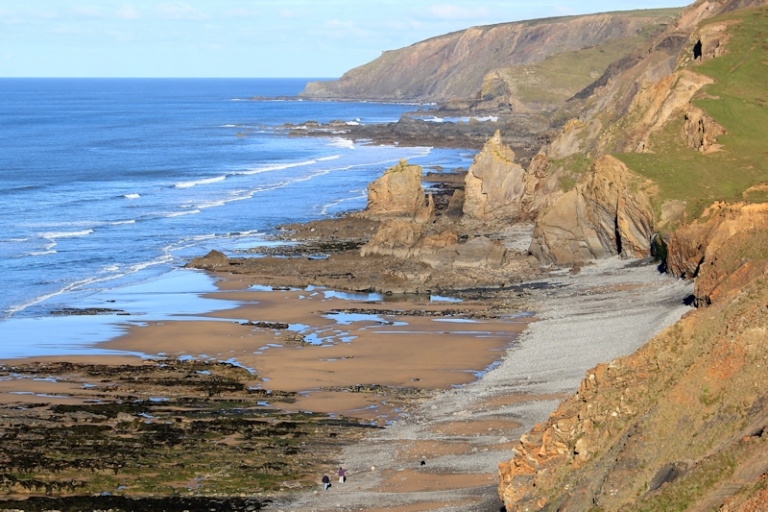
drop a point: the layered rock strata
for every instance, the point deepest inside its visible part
(724, 250)
(495, 185)
(608, 214)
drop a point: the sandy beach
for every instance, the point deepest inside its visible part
(605, 311)
(453, 383)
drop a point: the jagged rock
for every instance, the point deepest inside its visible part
(495, 184)
(211, 260)
(710, 41)
(608, 214)
(723, 252)
(398, 193)
(455, 206)
(656, 105)
(701, 131)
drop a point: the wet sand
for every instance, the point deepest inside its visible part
(342, 353)
(331, 358)
(456, 410)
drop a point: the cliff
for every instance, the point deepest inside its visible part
(665, 118)
(678, 425)
(479, 63)
(673, 140)
(607, 214)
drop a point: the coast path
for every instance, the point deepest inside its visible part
(605, 311)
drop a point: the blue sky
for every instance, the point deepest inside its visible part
(242, 38)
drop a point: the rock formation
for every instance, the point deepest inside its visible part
(495, 185)
(701, 131)
(398, 193)
(725, 249)
(609, 213)
(678, 425)
(210, 261)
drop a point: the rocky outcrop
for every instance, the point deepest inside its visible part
(607, 214)
(655, 106)
(701, 131)
(211, 260)
(442, 249)
(409, 229)
(398, 193)
(725, 249)
(638, 93)
(495, 185)
(454, 65)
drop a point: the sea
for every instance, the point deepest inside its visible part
(109, 186)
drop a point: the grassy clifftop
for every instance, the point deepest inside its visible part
(737, 101)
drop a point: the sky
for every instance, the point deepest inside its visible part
(243, 38)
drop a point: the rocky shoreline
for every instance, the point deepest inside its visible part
(460, 434)
(526, 134)
(604, 311)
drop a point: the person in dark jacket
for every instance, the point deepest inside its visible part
(326, 482)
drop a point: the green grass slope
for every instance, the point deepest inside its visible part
(738, 101)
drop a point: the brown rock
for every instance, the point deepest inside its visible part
(495, 184)
(398, 193)
(701, 131)
(723, 251)
(211, 260)
(607, 214)
(394, 238)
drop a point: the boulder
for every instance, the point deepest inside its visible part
(607, 214)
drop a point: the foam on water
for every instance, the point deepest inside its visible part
(204, 181)
(192, 171)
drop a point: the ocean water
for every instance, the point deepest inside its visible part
(108, 186)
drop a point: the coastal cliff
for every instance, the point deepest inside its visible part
(671, 143)
(660, 156)
(498, 65)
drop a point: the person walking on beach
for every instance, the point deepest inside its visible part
(342, 475)
(326, 482)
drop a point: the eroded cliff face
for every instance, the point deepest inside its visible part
(724, 250)
(639, 93)
(607, 214)
(679, 425)
(455, 65)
